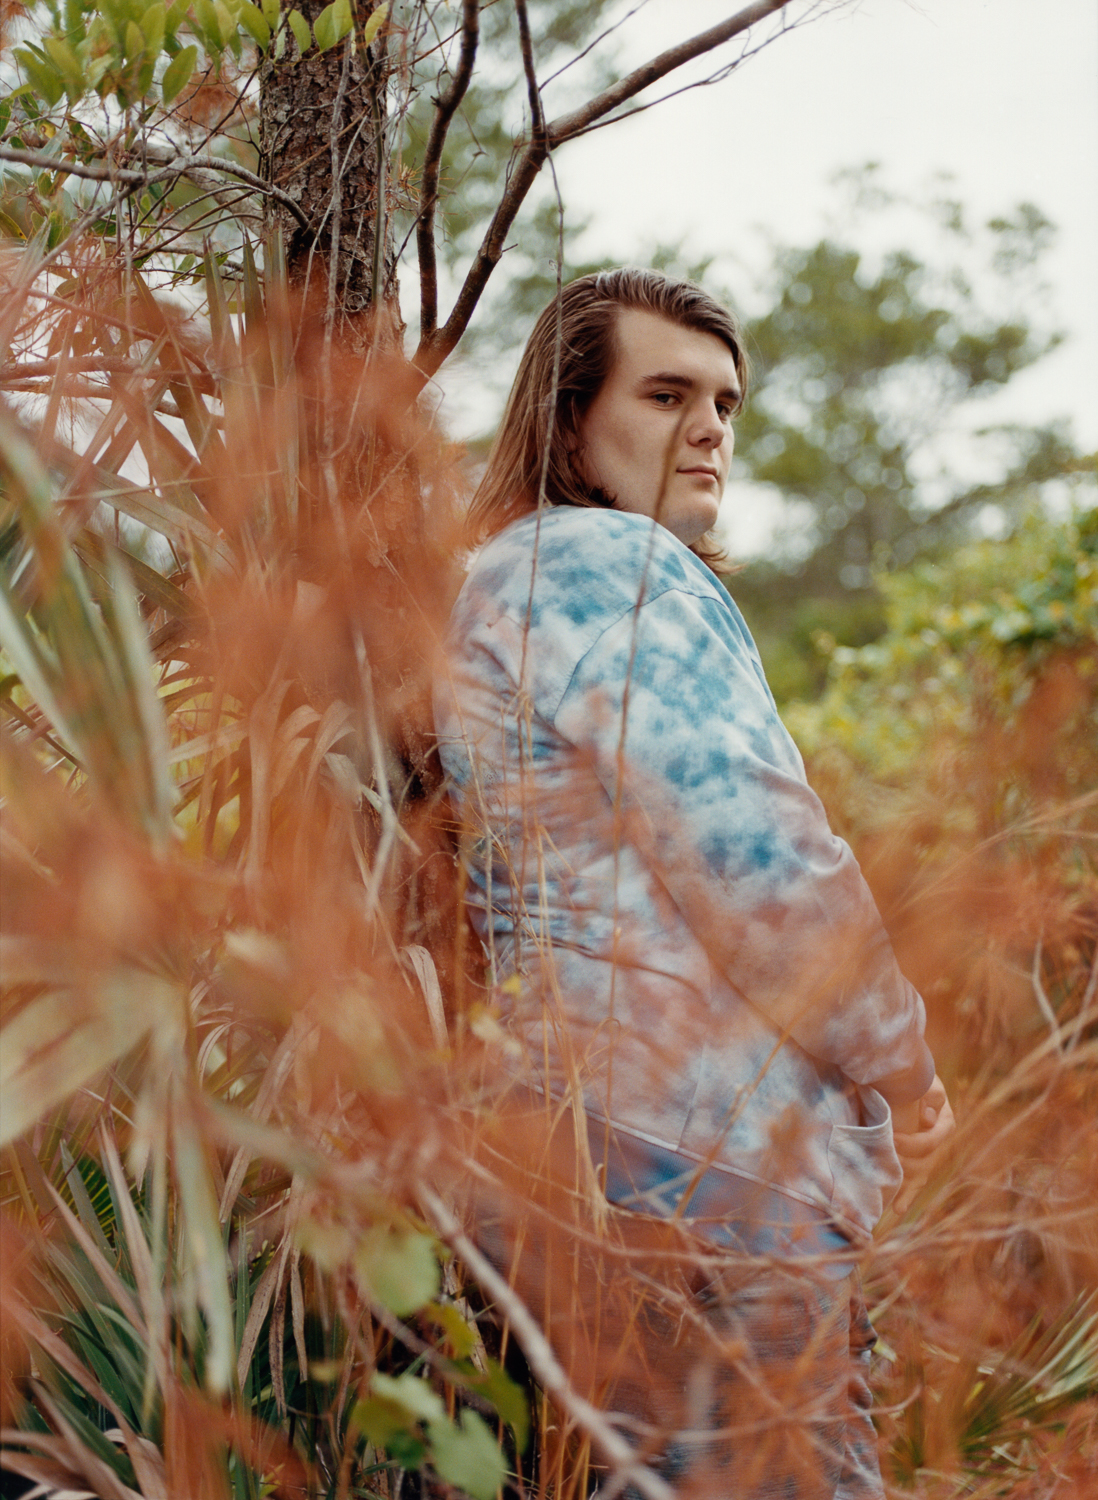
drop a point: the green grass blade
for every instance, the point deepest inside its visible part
(89, 668)
(85, 1212)
(136, 661)
(37, 671)
(205, 1250)
(96, 554)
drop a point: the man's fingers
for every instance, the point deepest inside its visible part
(917, 1147)
(914, 1147)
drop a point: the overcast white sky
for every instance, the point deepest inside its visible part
(1003, 94)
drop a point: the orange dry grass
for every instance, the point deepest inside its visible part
(315, 849)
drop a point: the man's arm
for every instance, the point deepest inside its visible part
(672, 705)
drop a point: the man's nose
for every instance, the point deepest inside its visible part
(708, 430)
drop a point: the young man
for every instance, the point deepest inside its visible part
(689, 959)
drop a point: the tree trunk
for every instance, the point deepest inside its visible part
(323, 133)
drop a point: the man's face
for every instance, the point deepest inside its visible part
(658, 436)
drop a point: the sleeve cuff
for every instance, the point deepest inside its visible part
(910, 1084)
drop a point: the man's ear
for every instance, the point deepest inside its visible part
(569, 423)
(569, 439)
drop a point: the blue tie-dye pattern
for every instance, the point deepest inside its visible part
(661, 877)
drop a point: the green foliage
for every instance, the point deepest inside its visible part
(146, 943)
(76, 652)
(407, 1417)
(1029, 1387)
(958, 755)
(1012, 1401)
(398, 1270)
(865, 366)
(121, 1369)
(967, 638)
(118, 47)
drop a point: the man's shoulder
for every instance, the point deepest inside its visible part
(587, 561)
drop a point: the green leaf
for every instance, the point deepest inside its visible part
(332, 24)
(69, 65)
(99, 67)
(152, 27)
(468, 1456)
(413, 1395)
(217, 302)
(44, 76)
(375, 23)
(59, 227)
(226, 22)
(508, 1398)
(206, 22)
(378, 1420)
(255, 24)
(88, 667)
(253, 292)
(270, 12)
(178, 73)
(135, 42)
(461, 1338)
(399, 1270)
(300, 28)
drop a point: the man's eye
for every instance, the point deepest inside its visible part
(665, 398)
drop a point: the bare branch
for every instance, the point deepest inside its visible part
(434, 347)
(533, 93)
(432, 160)
(650, 72)
(543, 1362)
(577, 57)
(49, 163)
(80, 364)
(172, 166)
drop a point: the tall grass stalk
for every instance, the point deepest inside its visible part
(249, 1072)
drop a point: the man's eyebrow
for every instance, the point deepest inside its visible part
(683, 383)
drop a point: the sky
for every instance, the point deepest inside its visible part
(1002, 94)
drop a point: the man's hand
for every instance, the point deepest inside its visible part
(933, 1120)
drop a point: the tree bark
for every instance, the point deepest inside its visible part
(324, 143)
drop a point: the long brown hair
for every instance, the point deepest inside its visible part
(538, 449)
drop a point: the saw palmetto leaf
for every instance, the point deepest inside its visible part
(1027, 1388)
(87, 666)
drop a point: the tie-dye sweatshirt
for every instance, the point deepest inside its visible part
(687, 943)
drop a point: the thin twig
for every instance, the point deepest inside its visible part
(378, 282)
(83, 364)
(1084, 1008)
(1042, 998)
(435, 347)
(445, 110)
(336, 211)
(170, 166)
(533, 93)
(596, 41)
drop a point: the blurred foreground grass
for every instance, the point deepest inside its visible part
(242, 1038)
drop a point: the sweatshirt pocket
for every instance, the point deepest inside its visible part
(864, 1166)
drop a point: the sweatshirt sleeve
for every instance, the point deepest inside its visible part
(671, 704)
